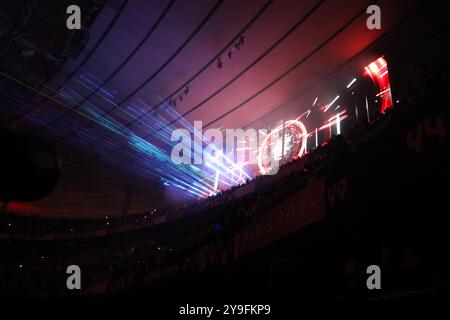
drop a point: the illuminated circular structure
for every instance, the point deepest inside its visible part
(272, 149)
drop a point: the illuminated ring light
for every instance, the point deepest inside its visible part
(293, 128)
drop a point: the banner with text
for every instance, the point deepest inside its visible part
(297, 211)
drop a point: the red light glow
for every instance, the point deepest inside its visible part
(378, 72)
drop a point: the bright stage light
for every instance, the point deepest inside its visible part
(294, 146)
(351, 83)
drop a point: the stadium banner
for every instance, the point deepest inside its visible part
(297, 211)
